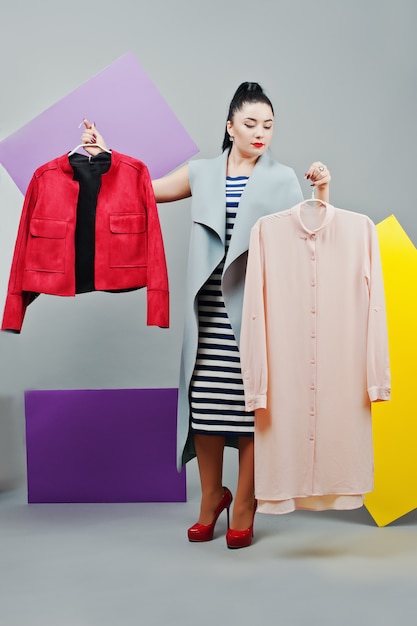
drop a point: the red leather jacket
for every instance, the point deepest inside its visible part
(129, 251)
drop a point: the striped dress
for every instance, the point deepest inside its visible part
(216, 390)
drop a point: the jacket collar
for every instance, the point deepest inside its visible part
(251, 206)
(65, 165)
(209, 201)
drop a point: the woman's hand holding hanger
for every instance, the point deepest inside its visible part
(319, 177)
(92, 136)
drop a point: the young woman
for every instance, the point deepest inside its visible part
(229, 194)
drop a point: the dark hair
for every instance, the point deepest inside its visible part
(246, 92)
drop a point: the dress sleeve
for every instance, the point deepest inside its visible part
(378, 369)
(253, 332)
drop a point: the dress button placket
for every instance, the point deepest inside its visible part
(313, 341)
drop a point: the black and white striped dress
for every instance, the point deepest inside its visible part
(216, 390)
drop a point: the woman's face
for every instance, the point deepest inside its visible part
(252, 128)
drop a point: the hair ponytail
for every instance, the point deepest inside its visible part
(246, 92)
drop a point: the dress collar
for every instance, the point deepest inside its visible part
(320, 216)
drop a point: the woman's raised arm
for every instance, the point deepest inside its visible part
(174, 186)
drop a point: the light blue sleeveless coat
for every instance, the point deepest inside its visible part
(271, 187)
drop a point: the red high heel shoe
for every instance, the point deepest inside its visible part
(240, 538)
(204, 532)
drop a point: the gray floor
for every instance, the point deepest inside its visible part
(129, 564)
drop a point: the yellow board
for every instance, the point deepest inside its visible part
(395, 422)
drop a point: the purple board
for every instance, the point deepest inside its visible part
(108, 445)
(127, 109)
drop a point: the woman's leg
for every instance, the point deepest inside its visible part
(209, 450)
(245, 494)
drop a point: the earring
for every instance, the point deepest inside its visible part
(230, 137)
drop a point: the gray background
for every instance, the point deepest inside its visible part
(342, 79)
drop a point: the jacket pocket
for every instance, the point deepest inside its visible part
(128, 241)
(46, 245)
